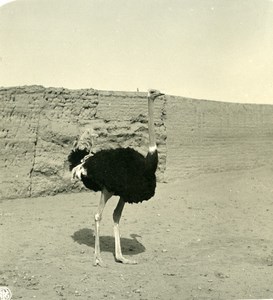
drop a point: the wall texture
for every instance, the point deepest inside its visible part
(209, 136)
(38, 126)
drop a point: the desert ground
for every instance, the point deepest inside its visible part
(208, 237)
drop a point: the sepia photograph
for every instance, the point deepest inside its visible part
(136, 141)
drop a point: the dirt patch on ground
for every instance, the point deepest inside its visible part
(204, 238)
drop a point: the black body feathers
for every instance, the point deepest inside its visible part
(75, 157)
(123, 171)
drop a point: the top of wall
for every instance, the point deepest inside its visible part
(29, 89)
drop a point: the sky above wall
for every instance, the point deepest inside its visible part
(206, 49)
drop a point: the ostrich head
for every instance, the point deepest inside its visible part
(153, 94)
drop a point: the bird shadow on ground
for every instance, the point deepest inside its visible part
(107, 243)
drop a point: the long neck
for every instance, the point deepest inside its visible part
(152, 156)
(151, 126)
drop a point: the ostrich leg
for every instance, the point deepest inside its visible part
(116, 216)
(105, 196)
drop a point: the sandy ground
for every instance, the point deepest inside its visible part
(208, 237)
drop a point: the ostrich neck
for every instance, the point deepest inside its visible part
(151, 126)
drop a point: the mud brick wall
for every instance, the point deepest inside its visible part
(38, 126)
(209, 136)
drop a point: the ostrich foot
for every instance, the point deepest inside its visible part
(126, 261)
(98, 262)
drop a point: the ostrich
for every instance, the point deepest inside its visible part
(122, 172)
